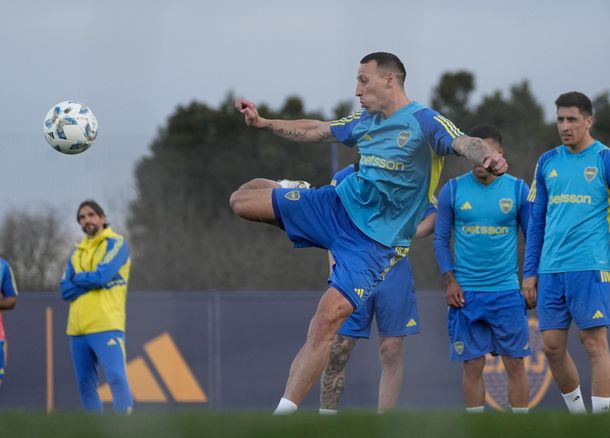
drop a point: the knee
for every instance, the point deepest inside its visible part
(390, 353)
(236, 201)
(474, 368)
(116, 377)
(339, 354)
(341, 348)
(553, 351)
(514, 366)
(323, 326)
(595, 346)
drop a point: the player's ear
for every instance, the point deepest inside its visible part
(389, 77)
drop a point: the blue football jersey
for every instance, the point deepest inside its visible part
(568, 230)
(400, 165)
(485, 221)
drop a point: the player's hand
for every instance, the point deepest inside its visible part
(454, 295)
(495, 163)
(529, 289)
(248, 109)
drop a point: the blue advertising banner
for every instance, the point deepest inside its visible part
(233, 349)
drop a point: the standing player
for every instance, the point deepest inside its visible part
(8, 300)
(567, 258)
(394, 306)
(486, 308)
(368, 221)
(95, 284)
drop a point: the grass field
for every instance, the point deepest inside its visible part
(351, 424)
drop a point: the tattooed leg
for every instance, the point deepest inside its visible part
(333, 377)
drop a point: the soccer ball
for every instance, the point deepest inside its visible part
(70, 127)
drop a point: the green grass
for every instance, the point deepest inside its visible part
(349, 425)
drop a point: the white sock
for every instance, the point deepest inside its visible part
(520, 410)
(601, 405)
(476, 410)
(285, 407)
(328, 411)
(574, 402)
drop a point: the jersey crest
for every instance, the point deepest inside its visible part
(506, 205)
(590, 173)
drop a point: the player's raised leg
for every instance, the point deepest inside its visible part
(253, 200)
(313, 357)
(391, 357)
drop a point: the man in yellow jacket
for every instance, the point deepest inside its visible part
(95, 284)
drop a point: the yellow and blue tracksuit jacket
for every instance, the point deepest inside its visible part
(95, 283)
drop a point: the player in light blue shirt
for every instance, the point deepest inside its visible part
(369, 220)
(394, 307)
(567, 259)
(486, 309)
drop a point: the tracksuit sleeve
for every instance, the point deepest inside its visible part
(538, 198)
(523, 215)
(442, 230)
(117, 254)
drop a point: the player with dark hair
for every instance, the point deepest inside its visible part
(8, 301)
(95, 284)
(486, 308)
(567, 259)
(367, 222)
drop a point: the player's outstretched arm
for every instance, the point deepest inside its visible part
(302, 130)
(479, 152)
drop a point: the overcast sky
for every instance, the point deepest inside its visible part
(132, 62)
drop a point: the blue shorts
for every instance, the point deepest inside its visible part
(2, 360)
(489, 322)
(582, 295)
(316, 217)
(394, 305)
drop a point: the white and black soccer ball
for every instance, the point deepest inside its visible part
(70, 127)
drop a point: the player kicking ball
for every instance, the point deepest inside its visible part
(368, 221)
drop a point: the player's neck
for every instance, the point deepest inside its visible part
(394, 104)
(486, 179)
(581, 145)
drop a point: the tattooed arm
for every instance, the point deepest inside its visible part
(479, 152)
(303, 130)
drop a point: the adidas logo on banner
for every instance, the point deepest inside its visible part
(172, 369)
